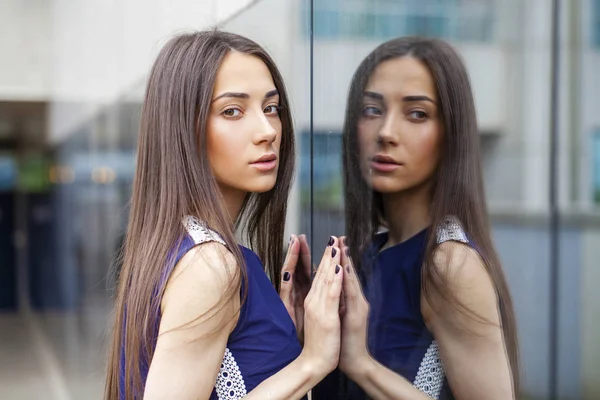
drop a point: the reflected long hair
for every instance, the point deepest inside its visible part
(173, 179)
(458, 185)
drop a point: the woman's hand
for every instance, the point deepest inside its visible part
(321, 313)
(354, 356)
(296, 281)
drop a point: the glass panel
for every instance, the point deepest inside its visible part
(68, 218)
(579, 183)
(506, 47)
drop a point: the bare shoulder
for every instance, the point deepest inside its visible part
(202, 282)
(208, 261)
(459, 264)
(464, 275)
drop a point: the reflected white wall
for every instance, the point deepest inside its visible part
(25, 50)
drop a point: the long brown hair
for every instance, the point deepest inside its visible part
(173, 179)
(458, 185)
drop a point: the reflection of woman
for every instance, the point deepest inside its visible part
(441, 318)
(196, 315)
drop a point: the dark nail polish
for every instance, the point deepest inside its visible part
(286, 276)
(331, 241)
(337, 269)
(348, 269)
(333, 253)
(291, 238)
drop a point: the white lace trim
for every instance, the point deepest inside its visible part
(230, 383)
(199, 232)
(430, 377)
(451, 229)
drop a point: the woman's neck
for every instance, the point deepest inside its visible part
(234, 201)
(406, 213)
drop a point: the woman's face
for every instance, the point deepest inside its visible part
(400, 129)
(244, 128)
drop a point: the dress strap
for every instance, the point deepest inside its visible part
(450, 228)
(200, 232)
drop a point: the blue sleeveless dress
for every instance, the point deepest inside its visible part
(263, 342)
(397, 335)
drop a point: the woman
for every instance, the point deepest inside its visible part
(441, 320)
(196, 314)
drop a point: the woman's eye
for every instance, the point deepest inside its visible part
(232, 112)
(418, 115)
(272, 109)
(372, 111)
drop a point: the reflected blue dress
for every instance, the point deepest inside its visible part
(263, 342)
(397, 335)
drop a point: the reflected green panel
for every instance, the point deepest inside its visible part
(33, 173)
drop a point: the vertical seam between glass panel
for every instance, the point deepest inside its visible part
(311, 122)
(554, 211)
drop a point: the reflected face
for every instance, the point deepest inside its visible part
(400, 130)
(244, 128)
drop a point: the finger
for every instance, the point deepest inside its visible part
(305, 255)
(335, 289)
(349, 287)
(333, 242)
(326, 259)
(332, 267)
(352, 286)
(286, 289)
(291, 258)
(288, 271)
(342, 307)
(346, 260)
(324, 274)
(345, 251)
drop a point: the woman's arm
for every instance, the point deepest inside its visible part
(193, 338)
(195, 325)
(472, 347)
(472, 351)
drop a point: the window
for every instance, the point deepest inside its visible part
(326, 175)
(595, 28)
(461, 20)
(596, 166)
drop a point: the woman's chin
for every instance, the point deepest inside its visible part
(261, 186)
(386, 185)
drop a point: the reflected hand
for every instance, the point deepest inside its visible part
(295, 281)
(354, 318)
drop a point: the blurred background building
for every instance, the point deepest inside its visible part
(71, 85)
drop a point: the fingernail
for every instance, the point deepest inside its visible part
(344, 241)
(331, 241)
(333, 252)
(348, 269)
(337, 269)
(286, 276)
(347, 252)
(291, 238)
